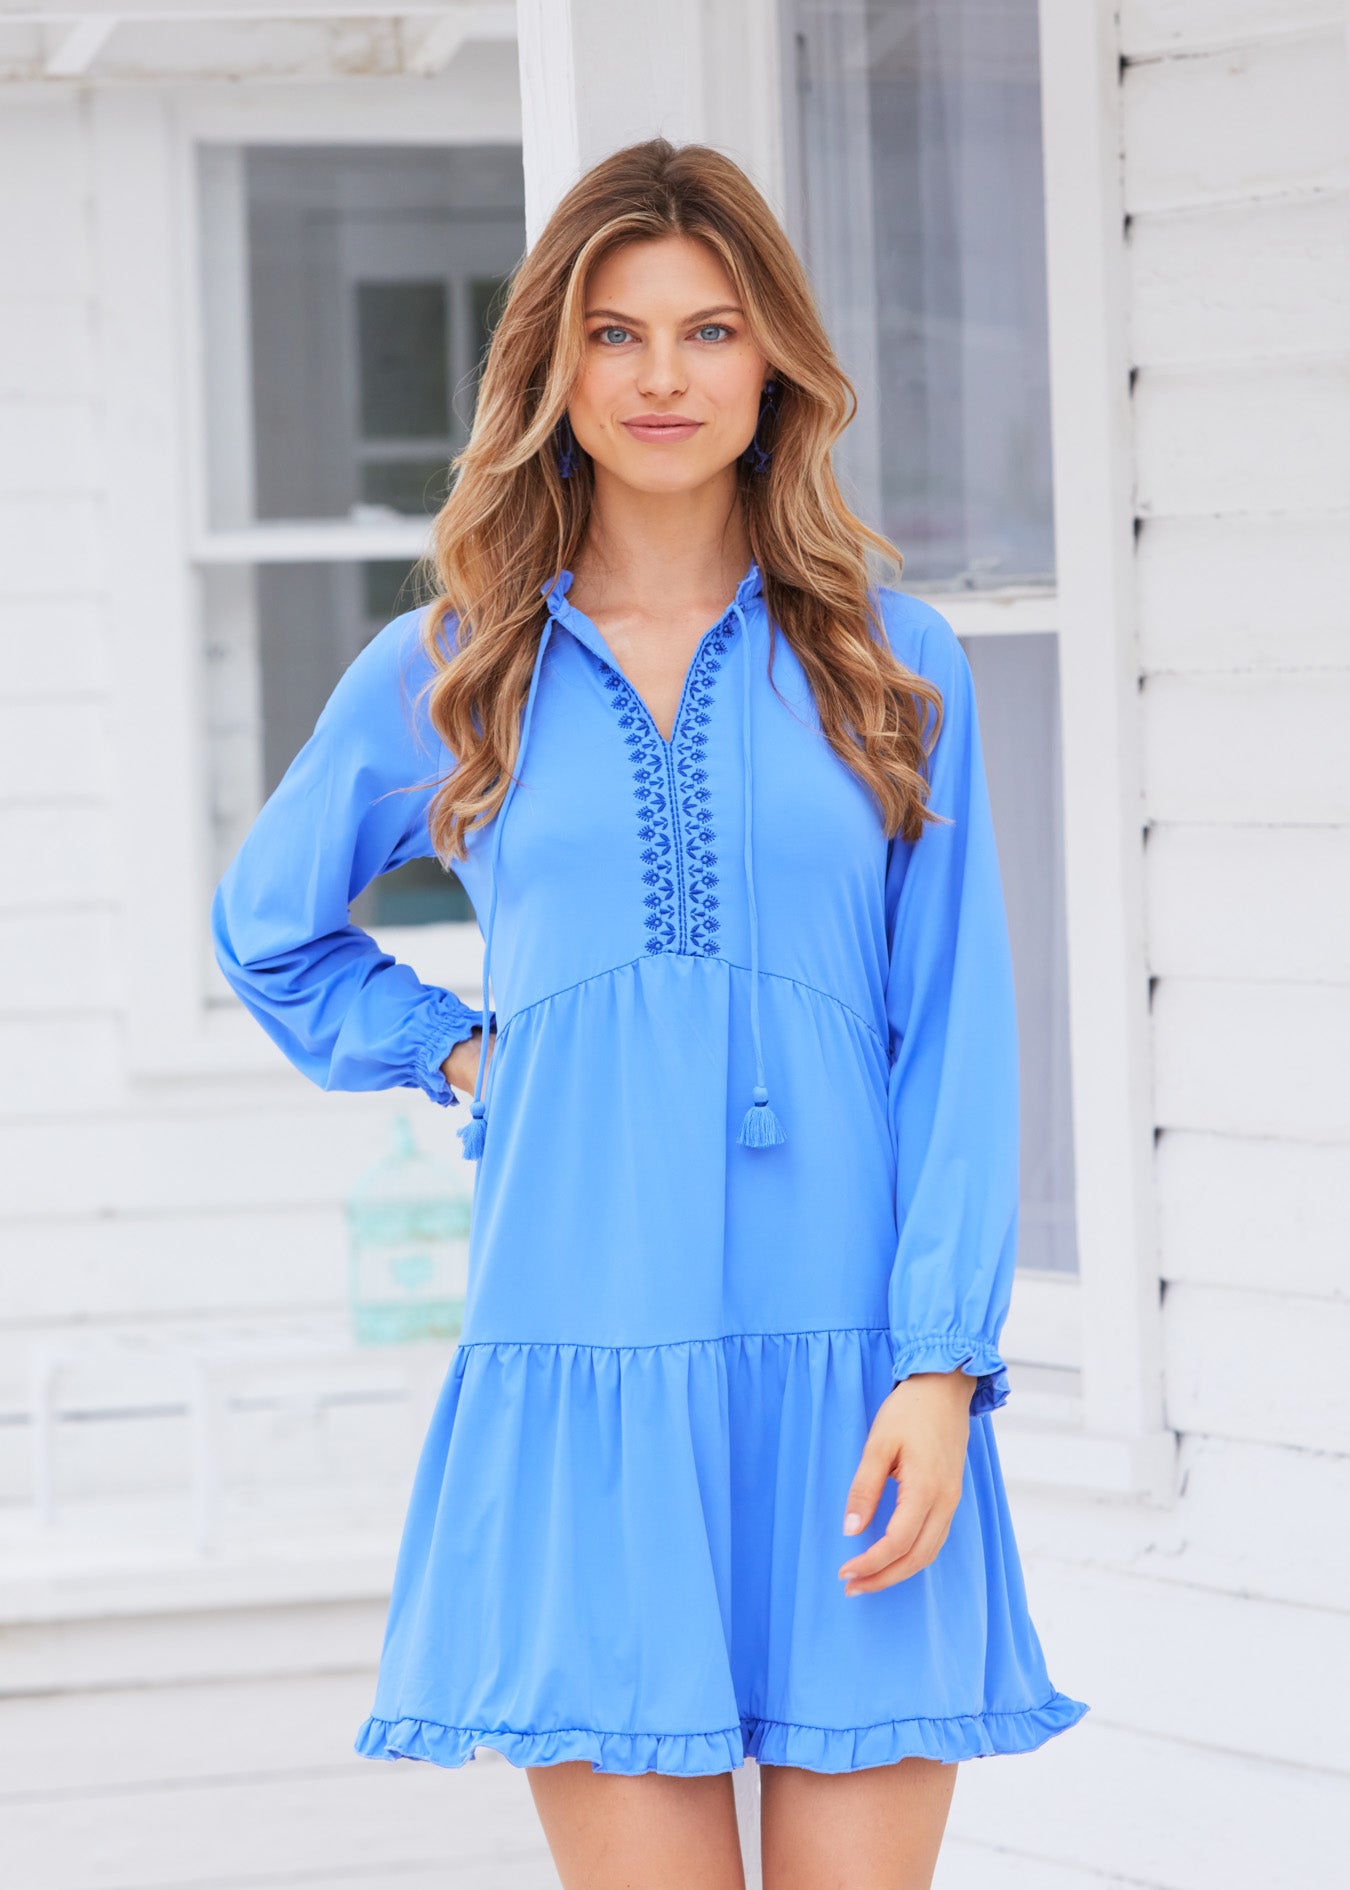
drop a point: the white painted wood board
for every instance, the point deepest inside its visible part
(1261, 1213)
(1264, 1367)
(37, 638)
(139, 1650)
(50, 751)
(1242, 282)
(46, 343)
(1149, 28)
(1248, 749)
(1255, 903)
(1146, 1811)
(1203, 1668)
(202, 1154)
(1241, 1058)
(51, 549)
(1207, 1539)
(1265, 117)
(1256, 592)
(1239, 439)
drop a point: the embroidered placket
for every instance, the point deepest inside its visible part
(674, 803)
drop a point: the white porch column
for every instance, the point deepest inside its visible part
(597, 74)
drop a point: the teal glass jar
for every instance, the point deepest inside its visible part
(408, 1240)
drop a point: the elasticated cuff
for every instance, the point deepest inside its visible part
(447, 1022)
(956, 1351)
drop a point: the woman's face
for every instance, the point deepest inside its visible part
(666, 340)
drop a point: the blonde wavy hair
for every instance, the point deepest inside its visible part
(511, 522)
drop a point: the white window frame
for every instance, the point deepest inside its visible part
(1094, 1414)
(181, 1021)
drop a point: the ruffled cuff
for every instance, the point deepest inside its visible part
(956, 1351)
(445, 1023)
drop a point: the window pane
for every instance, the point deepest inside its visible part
(918, 197)
(403, 345)
(1017, 686)
(278, 637)
(346, 294)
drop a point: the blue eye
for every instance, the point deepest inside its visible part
(707, 325)
(611, 328)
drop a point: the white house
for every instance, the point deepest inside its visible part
(1088, 262)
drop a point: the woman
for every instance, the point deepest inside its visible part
(745, 1113)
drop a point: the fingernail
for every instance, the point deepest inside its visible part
(852, 1523)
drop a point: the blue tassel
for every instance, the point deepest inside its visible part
(474, 1133)
(761, 1128)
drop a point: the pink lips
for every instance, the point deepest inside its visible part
(663, 429)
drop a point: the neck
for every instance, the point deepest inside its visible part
(662, 552)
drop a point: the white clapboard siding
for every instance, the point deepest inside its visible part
(49, 448)
(1206, 1540)
(45, 226)
(969, 1864)
(1231, 594)
(58, 962)
(1149, 28)
(113, 1739)
(1243, 439)
(1234, 1672)
(1253, 1059)
(46, 344)
(54, 752)
(52, 647)
(201, 1156)
(1249, 902)
(116, 1751)
(70, 1065)
(1301, 1549)
(66, 1654)
(1261, 1366)
(1252, 282)
(49, 548)
(56, 856)
(1266, 1214)
(1248, 749)
(260, 1824)
(170, 1265)
(1265, 118)
(1201, 1817)
(342, 1434)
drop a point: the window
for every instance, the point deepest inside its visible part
(348, 294)
(916, 187)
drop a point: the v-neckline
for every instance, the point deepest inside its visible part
(561, 602)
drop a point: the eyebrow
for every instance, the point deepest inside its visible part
(699, 315)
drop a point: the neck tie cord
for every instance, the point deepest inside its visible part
(761, 1127)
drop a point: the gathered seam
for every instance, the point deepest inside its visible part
(784, 977)
(663, 1345)
(718, 1732)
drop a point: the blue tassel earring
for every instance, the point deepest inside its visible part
(759, 455)
(565, 445)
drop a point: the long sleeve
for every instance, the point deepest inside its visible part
(953, 1093)
(346, 1014)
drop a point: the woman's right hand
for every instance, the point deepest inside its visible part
(460, 1068)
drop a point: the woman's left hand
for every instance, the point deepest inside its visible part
(920, 1437)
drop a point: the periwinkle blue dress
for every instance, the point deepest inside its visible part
(749, 1155)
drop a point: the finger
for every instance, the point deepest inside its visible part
(864, 1493)
(924, 1550)
(912, 1508)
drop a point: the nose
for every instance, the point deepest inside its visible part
(660, 368)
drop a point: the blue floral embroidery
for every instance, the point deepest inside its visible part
(674, 803)
(650, 791)
(696, 798)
